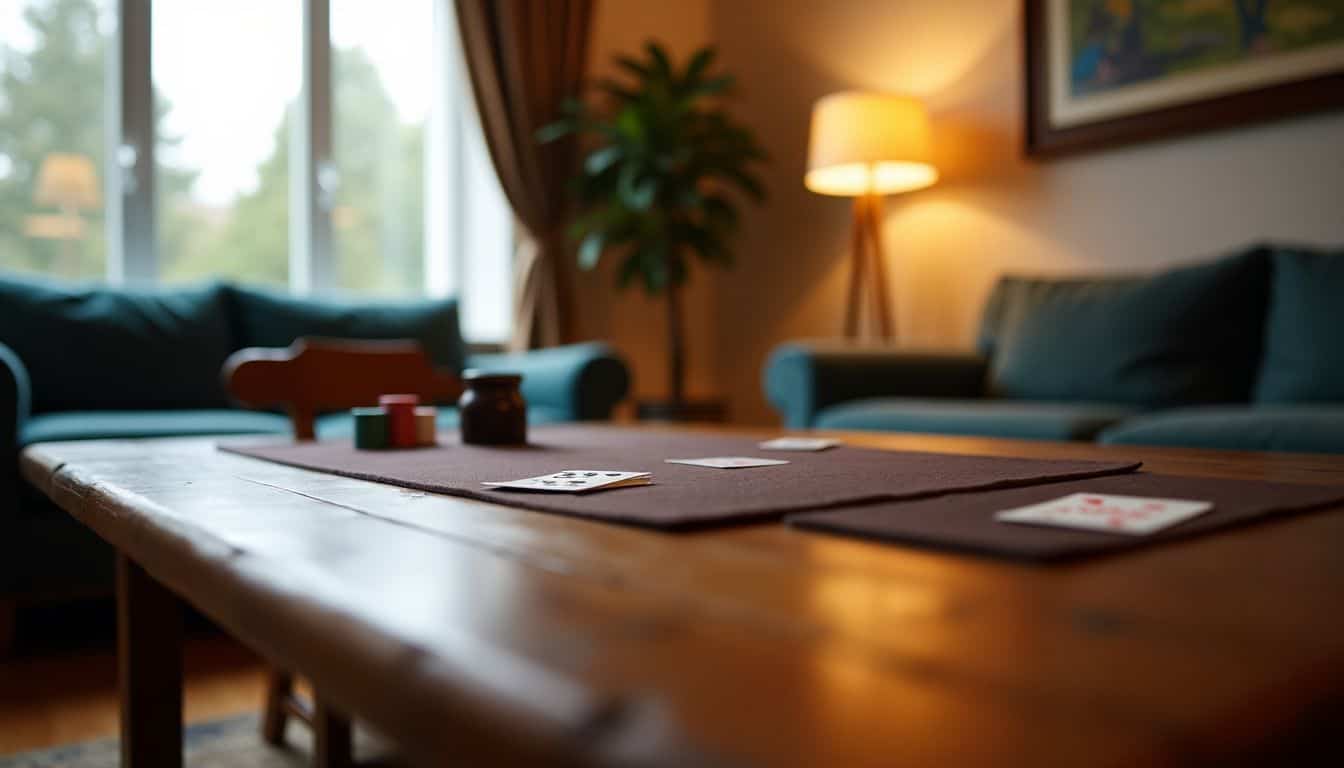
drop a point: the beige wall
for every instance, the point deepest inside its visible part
(1133, 208)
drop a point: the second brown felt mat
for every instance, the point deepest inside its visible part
(966, 521)
(681, 496)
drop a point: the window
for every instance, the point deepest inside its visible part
(382, 58)
(222, 140)
(52, 103)
(324, 146)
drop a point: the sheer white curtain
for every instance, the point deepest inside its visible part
(469, 225)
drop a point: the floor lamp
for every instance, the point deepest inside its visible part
(864, 146)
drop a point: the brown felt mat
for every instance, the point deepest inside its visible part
(681, 496)
(966, 522)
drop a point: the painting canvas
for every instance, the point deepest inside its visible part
(1104, 62)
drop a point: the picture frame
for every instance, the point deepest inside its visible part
(1151, 94)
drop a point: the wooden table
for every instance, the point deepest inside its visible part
(480, 634)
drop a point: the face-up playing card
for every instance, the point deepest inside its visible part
(577, 481)
(1134, 515)
(728, 462)
(798, 444)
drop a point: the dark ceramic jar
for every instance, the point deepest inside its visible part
(492, 410)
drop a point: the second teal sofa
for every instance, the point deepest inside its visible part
(1245, 352)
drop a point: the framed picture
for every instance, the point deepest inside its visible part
(1105, 72)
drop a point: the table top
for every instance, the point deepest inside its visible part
(462, 627)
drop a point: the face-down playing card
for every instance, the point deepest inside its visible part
(576, 481)
(728, 462)
(799, 444)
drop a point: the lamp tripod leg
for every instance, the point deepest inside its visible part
(885, 323)
(856, 259)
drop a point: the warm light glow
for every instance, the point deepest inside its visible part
(859, 178)
(868, 143)
(67, 181)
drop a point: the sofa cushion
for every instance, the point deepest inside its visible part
(89, 348)
(1187, 335)
(340, 425)
(263, 319)
(1304, 331)
(995, 418)
(97, 425)
(1304, 428)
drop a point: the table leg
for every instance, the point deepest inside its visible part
(333, 746)
(7, 621)
(149, 666)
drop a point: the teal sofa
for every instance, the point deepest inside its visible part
(1245, 352)
(87, 363)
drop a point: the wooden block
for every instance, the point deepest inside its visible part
(371, 427)
(426, 425)
(400, 419)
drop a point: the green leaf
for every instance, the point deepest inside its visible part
(618, 91)
(639, 69)
(654, 267)
(630, 269)
(602, 159)
(662, 65)
(630, 124)
(747, 182)
(636, 190)
(714, 87)
(709, 245)
(554, 131)
(698, 65)
(573, 107)
(591, 250)
(719, 214)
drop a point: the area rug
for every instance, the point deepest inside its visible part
(229, 743)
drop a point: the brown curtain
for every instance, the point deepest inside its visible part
(525, 57)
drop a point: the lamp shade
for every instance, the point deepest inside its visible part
(868, 143)
(67, 181)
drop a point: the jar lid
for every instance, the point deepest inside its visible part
(478, 376)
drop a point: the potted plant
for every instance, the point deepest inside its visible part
(656, 187)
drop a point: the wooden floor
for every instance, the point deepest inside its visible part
(53, 699)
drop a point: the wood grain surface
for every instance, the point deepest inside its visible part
(494, 635)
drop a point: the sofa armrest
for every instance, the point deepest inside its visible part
(801, 378)
(577, 381)
(16, 397)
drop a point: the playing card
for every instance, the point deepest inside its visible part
(798, 444)
(1134, 515)
(728, 462)
(577, 481)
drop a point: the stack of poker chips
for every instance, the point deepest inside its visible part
(399, 421)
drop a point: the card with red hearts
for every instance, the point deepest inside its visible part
(1134, 515)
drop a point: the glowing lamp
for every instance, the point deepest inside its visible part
(865, 145)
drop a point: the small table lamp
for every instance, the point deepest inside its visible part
(865, 145)
(69, 183)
